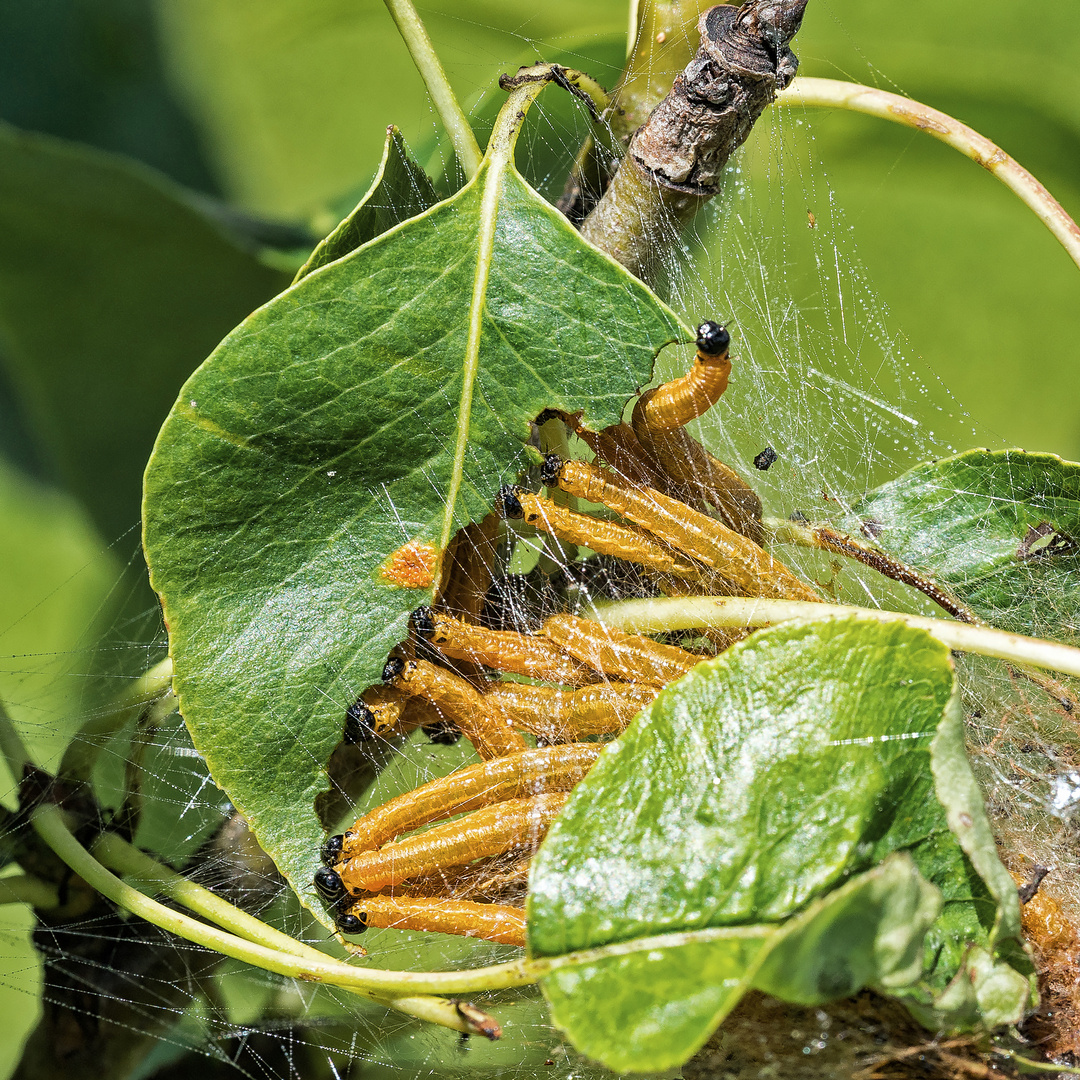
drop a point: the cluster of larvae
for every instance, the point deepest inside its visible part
(538, 698)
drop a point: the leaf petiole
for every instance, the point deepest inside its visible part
(116, 854)
(423, 54)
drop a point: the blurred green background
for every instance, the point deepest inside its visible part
(167, 159)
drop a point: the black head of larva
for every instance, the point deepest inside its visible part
(393, 667)
(550, 470)
(328, 885)
(508, 504)
(359, 724)
(713, 339)
(331, 850)
(351, 924)
(422, 621)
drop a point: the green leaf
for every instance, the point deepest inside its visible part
(869, 932)
(58, 579)
(1000, 529)
(960, 795)
(114, 284)
(651, 1005)
(400, 190)
(749, 793)
(379, 402)
(995, 981)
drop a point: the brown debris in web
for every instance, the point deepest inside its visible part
(866, 1037)
(1054, 938)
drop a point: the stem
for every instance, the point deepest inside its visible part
(377, 984)
(901, 110)
(662, 40)
(259, 944)
(684, 613)
(116, 854)
(674, 162)
(431, 71)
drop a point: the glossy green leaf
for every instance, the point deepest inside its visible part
(400, 190)
(379, 402)
(749, 787)
(755, 787)
(114, 284)
(1000, 529)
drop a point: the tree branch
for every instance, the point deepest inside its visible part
(675, 159)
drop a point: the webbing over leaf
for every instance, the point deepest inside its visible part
(999, 528)
(380, 402)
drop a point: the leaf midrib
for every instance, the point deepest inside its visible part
(491, 177)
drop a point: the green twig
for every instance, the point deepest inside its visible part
(684, 613)
(902, 110)
(116, 854)
(431, 71)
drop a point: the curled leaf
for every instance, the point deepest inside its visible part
(809, 789)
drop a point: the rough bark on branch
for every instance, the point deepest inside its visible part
(675, 159)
